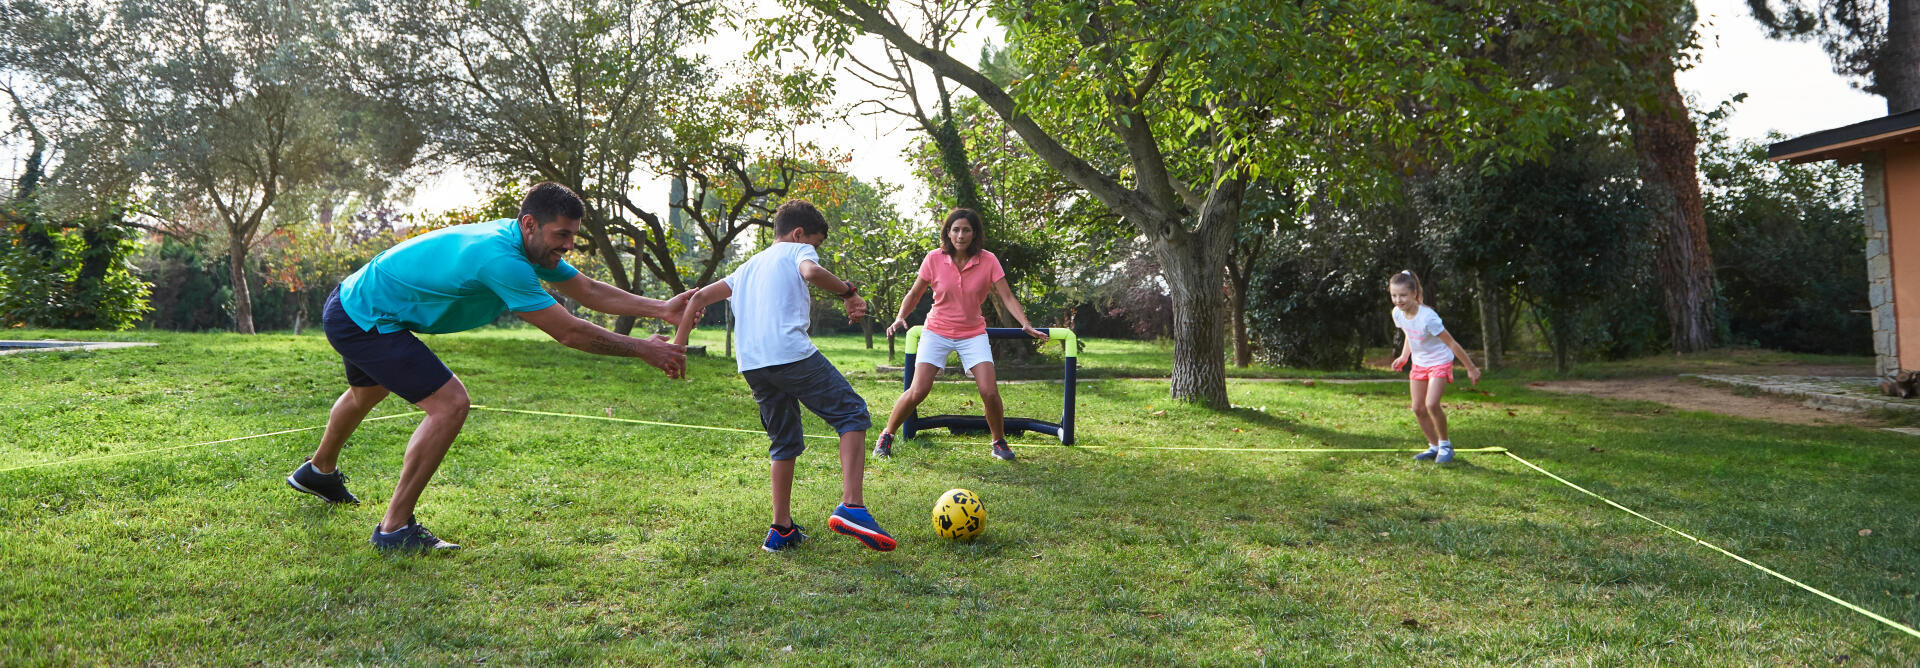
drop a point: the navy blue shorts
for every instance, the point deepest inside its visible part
(397, 361)
(781, 389)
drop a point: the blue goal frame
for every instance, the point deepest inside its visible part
(965, 424)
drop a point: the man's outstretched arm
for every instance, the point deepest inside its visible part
(611, 299)
(584, 336)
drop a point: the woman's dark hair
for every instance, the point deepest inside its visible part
(547, 200)
(979, 232)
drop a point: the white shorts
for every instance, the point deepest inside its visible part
(934, 349)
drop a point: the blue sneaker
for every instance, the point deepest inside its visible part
(1432, 451)
(1001, 451)
(859, 523)
(329, 486)
(1445, 455)
(777, 541)
(410, 538)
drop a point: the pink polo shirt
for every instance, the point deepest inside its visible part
(959, 292)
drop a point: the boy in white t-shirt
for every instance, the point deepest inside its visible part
(1432, 351)
(768, 295)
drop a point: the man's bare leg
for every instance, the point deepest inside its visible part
(348, 412)
(446, 412)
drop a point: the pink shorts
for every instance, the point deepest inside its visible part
(1437, 371)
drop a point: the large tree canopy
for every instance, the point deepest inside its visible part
(211, 112)
(1165, 112)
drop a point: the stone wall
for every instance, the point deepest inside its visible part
(1886, 342)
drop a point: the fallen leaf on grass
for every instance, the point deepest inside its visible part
(1866, 532)
(1410, 623)
(1308, 383)
(1536, 384)
(1510, 413)
(1594, 449)
(1158, 413)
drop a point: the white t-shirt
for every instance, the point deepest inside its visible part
(769, 305)
(1423, 336)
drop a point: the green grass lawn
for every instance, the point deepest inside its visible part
(589, 540)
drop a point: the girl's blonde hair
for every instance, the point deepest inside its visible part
(1407, 280)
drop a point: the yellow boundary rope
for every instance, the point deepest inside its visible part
(1837, 600)
(189, 445)
(1869, 613)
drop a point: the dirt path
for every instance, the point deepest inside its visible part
(1698, 396)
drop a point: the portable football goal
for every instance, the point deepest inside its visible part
(977, 424)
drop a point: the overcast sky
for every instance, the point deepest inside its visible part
(1790, 87)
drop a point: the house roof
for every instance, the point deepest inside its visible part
(1846, 143)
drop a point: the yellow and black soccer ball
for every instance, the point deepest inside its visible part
(958, 515)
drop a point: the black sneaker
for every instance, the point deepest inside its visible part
(884, 448)
(409, 538)
(329, 486)
(1001, 451)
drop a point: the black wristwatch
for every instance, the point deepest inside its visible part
(852, 289)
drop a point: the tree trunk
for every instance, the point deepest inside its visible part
(1193, 268)
(1238, 278)
(1664, 141)
(1897, 75)
(242, 300)
(1490, 351)
(866, 327)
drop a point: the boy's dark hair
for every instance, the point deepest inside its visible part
(979, 232)
(1407, 280)
(547, 200)
(801, 214)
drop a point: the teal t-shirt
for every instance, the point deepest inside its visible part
(449, 280)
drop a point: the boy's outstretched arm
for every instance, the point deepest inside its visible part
(696, 305)
(825, 280)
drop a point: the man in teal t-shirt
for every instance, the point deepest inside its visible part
(453, 280)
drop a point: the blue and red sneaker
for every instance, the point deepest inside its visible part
(857, 522)
(777, 541)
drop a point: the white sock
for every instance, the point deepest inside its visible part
(1446, 443)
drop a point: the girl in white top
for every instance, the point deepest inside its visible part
(1432, 351)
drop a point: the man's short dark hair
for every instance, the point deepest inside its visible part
(801, 214)
(547, 200)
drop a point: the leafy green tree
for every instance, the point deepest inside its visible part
(600, 96)
(225, 107)
(871, 244)
(1790, 249)
(1204, 97)
(1569, 231)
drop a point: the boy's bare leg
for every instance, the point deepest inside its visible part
(782, 475)
(853, 467)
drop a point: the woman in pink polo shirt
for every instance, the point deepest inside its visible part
(961, 274)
